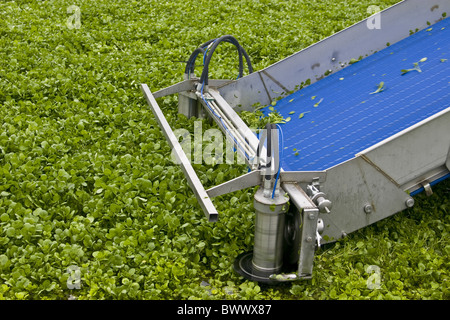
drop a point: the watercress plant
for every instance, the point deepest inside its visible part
(91, 206)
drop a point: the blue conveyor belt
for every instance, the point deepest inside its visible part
(349, 118)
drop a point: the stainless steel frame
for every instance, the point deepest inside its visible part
(344, 198)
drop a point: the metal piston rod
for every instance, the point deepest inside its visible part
(239, 138)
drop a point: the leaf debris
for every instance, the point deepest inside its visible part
(416, 67)
(380, 88)
(317, 103)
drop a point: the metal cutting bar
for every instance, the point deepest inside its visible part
(192, 178)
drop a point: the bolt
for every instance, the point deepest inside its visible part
(344, 234)
(333, 59)
(409, 202)
(311, 216)
(324, 205)
(309, 239)
(368, 208)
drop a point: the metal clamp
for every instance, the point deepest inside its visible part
(318, 197)
(319, 230)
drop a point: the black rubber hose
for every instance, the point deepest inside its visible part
(227, 38)
(190, 65)
(247, 59)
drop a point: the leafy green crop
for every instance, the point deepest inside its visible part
(91, 206)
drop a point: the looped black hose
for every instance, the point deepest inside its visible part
(190, 65)
(215, 42)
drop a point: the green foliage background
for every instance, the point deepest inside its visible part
(85, 175)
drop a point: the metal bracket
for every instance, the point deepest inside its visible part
(251, 179)
(308, 238)
(427, 187)
(188, 85)
(318, 197)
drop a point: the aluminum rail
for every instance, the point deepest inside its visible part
(192, 178)
(227, 126)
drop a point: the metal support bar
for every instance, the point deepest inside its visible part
(187, 85)
(303, 176)
(189, 106)
(308, 238)
(254, 178)
(192, 178)
(240, 125)
(248, 180)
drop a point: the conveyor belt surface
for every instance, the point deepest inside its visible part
(340, 115)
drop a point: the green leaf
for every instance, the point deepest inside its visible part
(21, 295)
(4, 217)
(416, 66)
(317, 103)
(303, 114)
(380, 88)
(3, 261)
